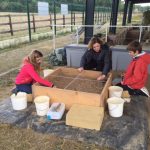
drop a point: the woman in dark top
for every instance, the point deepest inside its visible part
(96, 57)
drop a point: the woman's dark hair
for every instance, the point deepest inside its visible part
(134, 46)
(93, 41)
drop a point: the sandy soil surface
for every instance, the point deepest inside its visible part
(12, 138)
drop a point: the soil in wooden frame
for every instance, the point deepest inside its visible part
(85, 85)
(60, 81)
(66, 72)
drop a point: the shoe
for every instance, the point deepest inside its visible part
(144, 90)
(14, 91)
(125, 94)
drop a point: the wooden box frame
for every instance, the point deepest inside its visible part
(70, 97)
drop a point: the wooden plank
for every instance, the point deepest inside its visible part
(83, 116)
(104, 93)
(67, 71)
(68, 97)
(90, 74)
(56, 72)
(29, 98)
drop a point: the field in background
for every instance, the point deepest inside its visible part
(39, 24)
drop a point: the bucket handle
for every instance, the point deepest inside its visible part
(114, 108)
(115, 95)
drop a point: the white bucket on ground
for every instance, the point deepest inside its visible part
(42, 105)
(115, 106)
(115, 91)
(46, 72)
(19, 101)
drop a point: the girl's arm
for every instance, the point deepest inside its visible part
(31, 71)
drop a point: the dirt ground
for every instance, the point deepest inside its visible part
(69, 82)
(89, 86)
(13, 138)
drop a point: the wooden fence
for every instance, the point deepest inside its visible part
(11, 24)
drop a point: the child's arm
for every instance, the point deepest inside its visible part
(135, 75)
(36, 77)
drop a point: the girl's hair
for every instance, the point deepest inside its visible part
(32, 59)
(93, 41)
(134, 46)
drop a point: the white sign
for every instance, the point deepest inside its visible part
(43, 8)
(64, 9)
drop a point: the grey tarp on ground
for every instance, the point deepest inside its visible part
(127, 132)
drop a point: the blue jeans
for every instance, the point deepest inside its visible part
(27, 88)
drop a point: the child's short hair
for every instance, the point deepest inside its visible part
(134, 46)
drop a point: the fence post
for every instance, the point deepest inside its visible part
(54, 42)
(28, 13)
(50, 21)
(77, 35)
(64, 21)
(96, 19)
(140, 33)
(83, 18)
(10, 24)
(55, 16)
(106, 16)
(71, 21)
(101, 17)
(74, 18)
(106, 33)
(98, 16)
(33, 20)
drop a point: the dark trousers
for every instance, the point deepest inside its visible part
(93, 65)
(27, 88)
(132, 91)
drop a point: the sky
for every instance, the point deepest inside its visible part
(142, 4)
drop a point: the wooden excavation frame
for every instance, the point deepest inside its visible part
(67, 78)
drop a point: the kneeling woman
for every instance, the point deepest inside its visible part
(29, 73)
(96, 57)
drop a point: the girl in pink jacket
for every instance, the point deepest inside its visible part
(29, 73)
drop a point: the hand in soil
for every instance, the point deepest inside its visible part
(80, 69)
(101, 77)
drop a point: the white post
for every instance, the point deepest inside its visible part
(106, 33)
(140, 33)
(77, 35)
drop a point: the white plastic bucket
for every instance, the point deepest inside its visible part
(19, 101)
(115, 91)
(42, 105)
(115, 106)
(46, 72)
